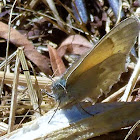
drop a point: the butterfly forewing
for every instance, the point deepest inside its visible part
(119, 40)
(96, 72)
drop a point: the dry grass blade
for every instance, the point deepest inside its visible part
(33, 3)
(8, 60)
(115, 95)
(3, 128)
(36, 86)
(132, 129)
(81, 27)
(44, 82)
(7, 48)
(14, 95)
(32, 92)
(55, 12)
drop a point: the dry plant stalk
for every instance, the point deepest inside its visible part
(32, 92)
(55, 12)
(14, 95)
(132, 129)
(115, 95)
(33, 3)
(3, 128)
(7, 47)
(44, 82)
(8, 60)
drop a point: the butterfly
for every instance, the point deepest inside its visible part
(96, 72)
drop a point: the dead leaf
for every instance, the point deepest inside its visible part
(56, 62)
(75, 44)
(31, 53)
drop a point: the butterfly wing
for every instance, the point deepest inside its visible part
(95, 73)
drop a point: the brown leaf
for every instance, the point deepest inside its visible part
(75, 44)
(31, 53)
(56, 62)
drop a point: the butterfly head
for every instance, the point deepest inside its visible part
(60, 92)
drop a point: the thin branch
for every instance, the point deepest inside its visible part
(7, 49)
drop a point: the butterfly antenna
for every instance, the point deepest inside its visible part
(51, 78)
(63, 87)
(54, 112)
(43, 91)
(53, 74)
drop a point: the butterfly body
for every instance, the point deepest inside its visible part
(95, 73)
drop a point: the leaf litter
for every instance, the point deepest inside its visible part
(33, 26)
